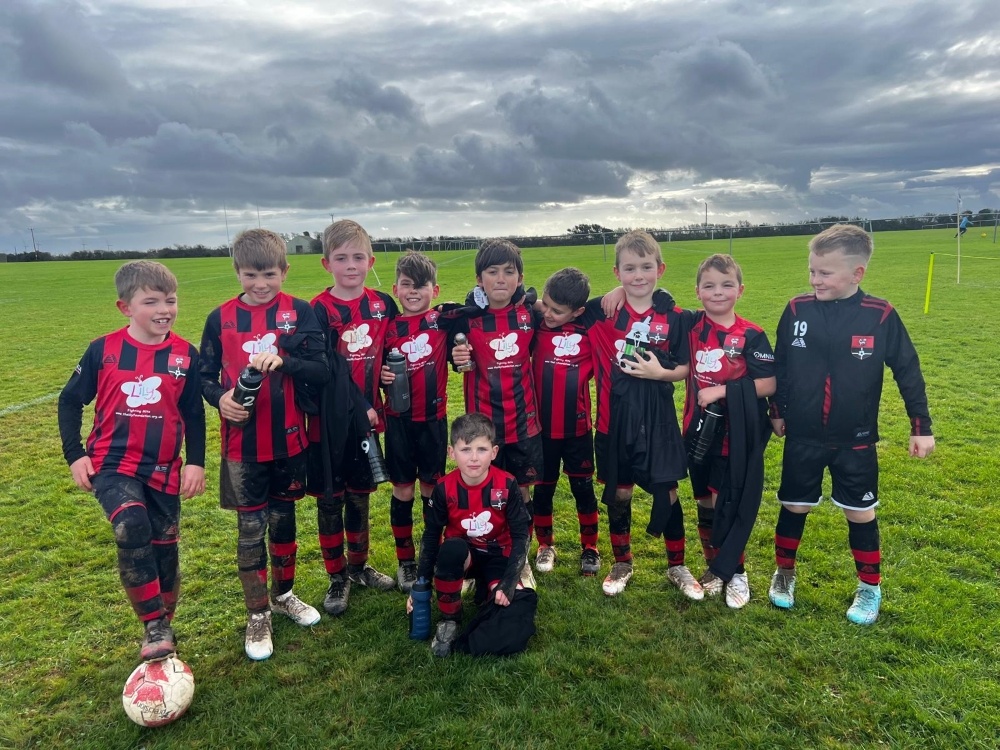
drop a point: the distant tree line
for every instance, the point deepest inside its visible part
(580, 234)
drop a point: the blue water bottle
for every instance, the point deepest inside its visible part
(420, 617)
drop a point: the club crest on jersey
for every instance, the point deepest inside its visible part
(658, 332)
(286, 320)
(734, 346)
(179, 365)
(524, 320)
(378, 309)
(862, 347)
(498, 499)
(431, 317)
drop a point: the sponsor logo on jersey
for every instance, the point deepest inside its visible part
(799, 342)
(764, 356)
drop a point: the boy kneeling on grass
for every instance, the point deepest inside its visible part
(478, 509)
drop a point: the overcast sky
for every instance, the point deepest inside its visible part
(142, 123)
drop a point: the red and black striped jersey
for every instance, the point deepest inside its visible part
(658, 330)
(148, 402)
(501, 385)
(830, 360)
(563, 367)
(234, 334)
(423, 340)
(356, 329)
(720, 354)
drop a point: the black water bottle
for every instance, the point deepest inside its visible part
(399, 389)
(376, 462)
(247, 388)
(462, 340)
(420, 617)
(712, 421)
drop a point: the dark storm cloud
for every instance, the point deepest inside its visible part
(764, 109)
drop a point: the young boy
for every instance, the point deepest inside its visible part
(478, 511)
(355, 320)
(501, 384)
(650, 324)
(830, 356)
(147, 403)
(416, 439)
(263, 452)
(563, 367)
(727, 352)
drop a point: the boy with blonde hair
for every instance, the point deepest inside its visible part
(263, 452)
(355, 320)
(831, 351)
(148, 403)
(639, 353)
(732, 365)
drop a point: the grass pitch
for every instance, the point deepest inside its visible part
(645, 669)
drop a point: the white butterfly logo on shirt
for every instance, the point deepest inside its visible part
(567, 345)
(260, 344)
(708, 361)
(142, 392)
(505, 346)
(357, 338)
(417, 348)
(478, 525)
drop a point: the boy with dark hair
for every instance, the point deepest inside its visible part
(563, 367)
(732, 365)
(831, 352)
(263, 452)
(639, 353)
(484, 524)
(146, 406)
(501, 384)
(416, 439)
(355, 320)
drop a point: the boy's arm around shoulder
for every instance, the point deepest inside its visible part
(79, 391)
(435, 522)
(518, 524)
(306, 358)
(210, 359)
(192, 410)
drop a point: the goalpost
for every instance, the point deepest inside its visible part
(958, 258)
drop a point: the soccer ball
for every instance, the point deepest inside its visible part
(157, 692)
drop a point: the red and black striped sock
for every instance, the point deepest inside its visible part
(542, 508)
(673, 535)
(282, 547)
(330, 520)
(401, 520)
(787, 537)
(865, 546)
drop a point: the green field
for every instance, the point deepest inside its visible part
(646, 669)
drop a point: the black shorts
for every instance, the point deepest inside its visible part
(249, 485)
(523, 459)
(415, 450)
(116, 491)
(854, 472)
(601, 449)
(706, 478)
(575, 455)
